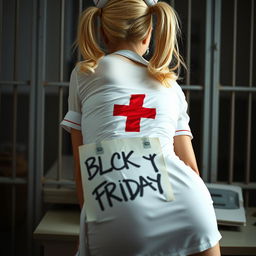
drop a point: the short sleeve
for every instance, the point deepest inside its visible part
(72, 118)
(182, 127)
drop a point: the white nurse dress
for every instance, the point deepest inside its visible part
(120, 100)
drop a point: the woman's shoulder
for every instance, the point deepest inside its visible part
(80, 73)
(175, 85)
(105, 64)
(179, 91)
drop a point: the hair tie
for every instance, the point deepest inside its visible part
(102, 3)
(151, 2)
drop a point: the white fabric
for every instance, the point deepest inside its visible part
(151, 2)
(71, 120)
(130, 55)
(182, 127)
(155, 227)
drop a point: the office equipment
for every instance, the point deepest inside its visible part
(228, 204)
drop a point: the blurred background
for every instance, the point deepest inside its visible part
(36, 59)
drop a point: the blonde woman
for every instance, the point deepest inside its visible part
(118, 96)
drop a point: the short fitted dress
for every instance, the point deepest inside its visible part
(151, 227)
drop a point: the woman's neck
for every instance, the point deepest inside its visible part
(125, 46)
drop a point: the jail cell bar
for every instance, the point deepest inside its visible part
(54, 195)
(247, 185)
(188, 87)
(13, 180)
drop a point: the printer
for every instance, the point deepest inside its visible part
(228, 204)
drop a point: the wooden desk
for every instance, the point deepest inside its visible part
(242, 242)
(59, 229)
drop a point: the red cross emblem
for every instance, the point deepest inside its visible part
(134, 112)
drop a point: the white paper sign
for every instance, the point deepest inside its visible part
(121, 171)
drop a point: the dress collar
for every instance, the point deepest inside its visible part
(132, 55)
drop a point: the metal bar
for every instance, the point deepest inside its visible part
(232, 125)
(80, 9)
(231, 136)
(57, 84)
(207, 86)
(60, 130)
(249, 117)
(0, 106)
(188, 100)
(1, 50)
(59, 162)
(40, 122)
(237, 88)
(15, 82)
(188, 50)
(216, 21)
(192, 87)
(251, 44)
(248, 144)
(1, 34)
(62, 27)
(32, 128)
(9, 180)
(58, 182)
(14, 128)
(188, 54)
(249, 186)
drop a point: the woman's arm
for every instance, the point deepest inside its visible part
(184, 150)
(77, 140)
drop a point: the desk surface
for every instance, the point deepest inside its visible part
(58, 224)
(64, 225)
(242, 241)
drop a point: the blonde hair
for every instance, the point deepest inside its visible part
(131, 20)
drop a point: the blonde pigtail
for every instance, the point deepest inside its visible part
(166, 46)
(86, 40)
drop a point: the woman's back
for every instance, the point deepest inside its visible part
(121, 100)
